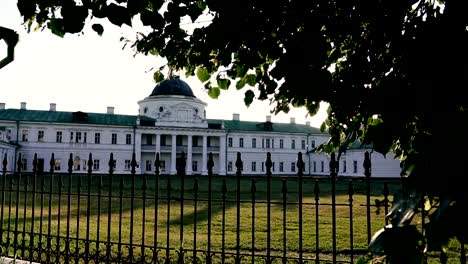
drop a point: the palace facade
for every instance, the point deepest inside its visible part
(171, 120)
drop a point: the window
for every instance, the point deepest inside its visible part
(97, 138)
(78, 137)
(58, 137)
(293, 166)
(281, 143)
(230, 142)
(58, 165)
(322, 166)
(96, 165)
(229, 166)
(149, 140)
(194, 165)
(312, 143)
(179, 140)
(24, 164)
(263, 166)
(128, 139)
(263, 143)
(355, 166)
(195, 141)
(293, 143)
(254, 166)
(241, 142)
(24, 136)
(127, 165)
(272, 143)
(267, 143)
(163, 140)
(281, 166)
(40, 136)
(254, 142)
(148, 165)
(114, 138)
(303, 145)
(85, 137)
(315, 166)
(71, 136)
(344, 165)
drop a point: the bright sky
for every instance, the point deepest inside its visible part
(88, 73)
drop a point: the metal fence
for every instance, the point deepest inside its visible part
(53, 217)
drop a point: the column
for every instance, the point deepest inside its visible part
(158, 145)
(188, 166)
(222, 155)
(204, 156)
(173, 155)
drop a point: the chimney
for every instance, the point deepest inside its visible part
(236, 117)
(292, 120)
(23, 106)
(268, 118)
(53, 107)
(2, 106)
(307, 123)
(110, 110)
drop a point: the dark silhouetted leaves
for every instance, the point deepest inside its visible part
(118, 15)
(158, 76)
(98, 28)
(223, 83)
(249, 97)
(56, 26)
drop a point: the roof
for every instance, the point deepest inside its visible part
(130, 120)
(69, 117)
(236, 125)
(173, 86)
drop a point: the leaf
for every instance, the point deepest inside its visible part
(223, 83)
(158, 76)
(118, 15)
(214, 92)
(56, 26)
(248, 97)
(240, 84)
(98, 28)
(250, 79)
(202, 74)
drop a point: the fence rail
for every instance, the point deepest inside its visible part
(53, 217)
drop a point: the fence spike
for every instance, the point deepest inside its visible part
(268, 163)
(35, 163)
(52, 163)
(367, 164)
(19, 164)
(111, 163)
(70, 163)
(90, 163)
(157, 164)
(5, 163)
(300, 164)
(210, 163)
(133, 163)
(239, 164)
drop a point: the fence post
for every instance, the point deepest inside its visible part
(59, 213)
(210, 165)
(268, 165)
(367, 174)
(300, 166)
(239, 165)
(157, 165)
(90, 165)
(2, 202)
(133, 164)
(181, 173)
(333, 174)
(109, 208)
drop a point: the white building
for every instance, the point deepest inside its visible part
(170, 121)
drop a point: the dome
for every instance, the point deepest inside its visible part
(173, 86)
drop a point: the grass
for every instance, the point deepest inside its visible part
(161, 217)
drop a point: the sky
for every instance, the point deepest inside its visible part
(88, 73)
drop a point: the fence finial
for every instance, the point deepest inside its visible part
(239, 164)
(19, 164)
(90, 163)
(268, 163)
(111, 163)
(34, 163)
(157, 164)
(5, 163)
(300, 163)
(367, 164)
(210, 163)
(333, 164)
(70, 163)
(52, 163)
(133, 164)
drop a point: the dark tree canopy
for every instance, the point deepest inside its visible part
(394, 73)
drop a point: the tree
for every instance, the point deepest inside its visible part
(393, 73)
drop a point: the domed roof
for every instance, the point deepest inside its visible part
(173, 86)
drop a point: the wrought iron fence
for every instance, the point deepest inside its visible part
(53, 217)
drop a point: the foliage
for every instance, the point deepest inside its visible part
(393, 73)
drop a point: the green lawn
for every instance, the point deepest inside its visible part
(137, 221)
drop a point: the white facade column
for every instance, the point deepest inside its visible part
(173, 155)
(188, 166)
(222, 155)
(205, 155)
(158, 145)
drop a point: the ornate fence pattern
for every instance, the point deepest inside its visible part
(108, 218)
